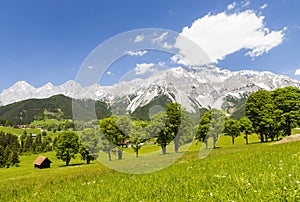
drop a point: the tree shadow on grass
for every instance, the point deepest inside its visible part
(71, 165)
(253, 143)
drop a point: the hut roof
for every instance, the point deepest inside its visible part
(40, 160)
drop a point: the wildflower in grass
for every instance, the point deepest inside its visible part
(211, 194)
(290, 175)
(298, 182)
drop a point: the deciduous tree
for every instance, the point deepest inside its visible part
(211, 124)
(232, 128)
(287, 101)
(246, 127)
(67, 146)
(138, 135)
(173, 122)
(259, 109)
(116, 130)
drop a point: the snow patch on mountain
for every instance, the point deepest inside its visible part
(192, 87)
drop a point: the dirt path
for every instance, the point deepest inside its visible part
(291, 138)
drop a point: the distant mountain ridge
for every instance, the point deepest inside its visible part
(194, 88)
(58, 107)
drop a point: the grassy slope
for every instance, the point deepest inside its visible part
(18, 131)
(241, 173)
(296, 131)
(46, 122)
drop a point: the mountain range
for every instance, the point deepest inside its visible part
(194, 88)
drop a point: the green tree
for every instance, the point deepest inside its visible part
(44, 133)
(24, 135)
(203, 126)
(106, 145)
(54, 142)
(287, 101)
(2, 159)
(7, 157)
(173, 122)
(186, 131)
(46, 145)
(67, 146)
(86, 155)
(246, 127)
(211, 125)
(138, 135)
(232, 128)
(28, 143)
(90, 144)
(160, 130)
(259, 109)
(216, 125)
(15, 157)
(38, 140)
(116, 130)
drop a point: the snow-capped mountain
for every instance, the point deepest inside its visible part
(193, 88)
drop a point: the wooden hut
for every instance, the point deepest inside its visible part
(42, 162)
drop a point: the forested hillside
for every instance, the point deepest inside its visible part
(58, 107)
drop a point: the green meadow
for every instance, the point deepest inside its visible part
(19, 131)
(254, 172)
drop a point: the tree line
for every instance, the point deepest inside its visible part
(216, 122)
(116, 132)
(275, 113)
(36, 144)
(270, 114)
(9, 150)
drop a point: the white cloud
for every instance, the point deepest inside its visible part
(223, 34)
(179, 60)
(109, 73)
(231, 6)
(161, 63)
(264, 6)
(137, 53)
(297, 72)
(245, 3)
(143, 68)
(160, 38)
(167, 46)
(139, 38)
(91, 67)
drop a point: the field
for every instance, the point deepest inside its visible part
(20, 131)
(254, 172)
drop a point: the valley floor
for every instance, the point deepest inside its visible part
(254, 172)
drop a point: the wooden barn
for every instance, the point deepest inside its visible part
(42, 162)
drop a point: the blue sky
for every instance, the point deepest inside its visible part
(47, 41)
